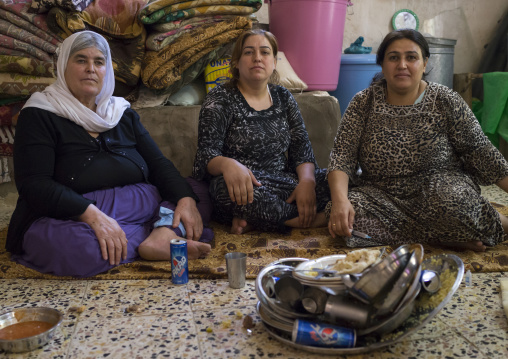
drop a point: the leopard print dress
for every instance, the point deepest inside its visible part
(415, 171)
(272, 143)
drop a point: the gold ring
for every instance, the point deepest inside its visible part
(333, 224)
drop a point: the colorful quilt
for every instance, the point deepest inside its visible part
(118, 22)
(157, 41)
(208, 11)
(26, 65)
(196, 69)
(162, 11)
(12, 46)
(15, 85)
(6, 140)
(41, 6)
(161, 69)
(26, 25)
(10, 111)
(168, 26)
(118, 19)
(8, 118)
(8, 29)
(20, 8)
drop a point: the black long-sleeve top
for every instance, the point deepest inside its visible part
(56, 161)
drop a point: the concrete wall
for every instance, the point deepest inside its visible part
(471, 22)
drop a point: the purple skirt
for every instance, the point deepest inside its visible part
(70, 248)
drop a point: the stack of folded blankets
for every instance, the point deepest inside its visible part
(27, 49)
(184, 36)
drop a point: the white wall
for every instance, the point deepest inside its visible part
(471, 22)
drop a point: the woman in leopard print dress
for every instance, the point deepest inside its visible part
(254, 149)
(409, 158)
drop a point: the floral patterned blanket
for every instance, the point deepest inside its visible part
(160, 69)
(164, 11)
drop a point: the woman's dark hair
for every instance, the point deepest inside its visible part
(395, 35)
(237, 54)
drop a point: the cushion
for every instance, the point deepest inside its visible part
(288, 77)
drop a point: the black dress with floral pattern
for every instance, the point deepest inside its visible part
(272, 143)
(421, 168)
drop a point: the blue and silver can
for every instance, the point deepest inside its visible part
(179, 261)
(323, 335)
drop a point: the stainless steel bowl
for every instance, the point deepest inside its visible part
(403, 283)
(19, 315)
(396, 319)
(379, 278)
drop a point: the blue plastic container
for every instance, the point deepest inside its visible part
(356, 73)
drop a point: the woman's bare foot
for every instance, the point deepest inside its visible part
(196, 250)
(156, 246)
(240, 226)
(476, 246)
(319, 221)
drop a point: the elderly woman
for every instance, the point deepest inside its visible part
(94, 189)
(254, 149)
(409, 158)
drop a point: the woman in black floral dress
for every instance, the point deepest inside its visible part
(254, 149)
(422, 155)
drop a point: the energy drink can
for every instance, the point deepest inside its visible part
(179, 261)
(323, 335)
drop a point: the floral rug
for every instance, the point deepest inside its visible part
(261, 249)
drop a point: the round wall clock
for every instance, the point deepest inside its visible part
(405, 19)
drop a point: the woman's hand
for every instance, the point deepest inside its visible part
(342, 213)
(240, 182)
(342, 217)
(187, 212)
(110, 235)
(305, 196)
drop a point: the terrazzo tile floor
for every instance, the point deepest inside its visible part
(203, 319)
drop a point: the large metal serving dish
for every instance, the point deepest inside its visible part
(425, 307)
(270, 318)
(19, 315)
(291, 261)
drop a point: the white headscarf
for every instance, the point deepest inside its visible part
(58, 99)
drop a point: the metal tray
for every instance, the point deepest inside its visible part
(418, 318)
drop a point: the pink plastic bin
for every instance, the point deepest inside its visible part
(310, 34)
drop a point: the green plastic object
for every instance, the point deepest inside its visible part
(357, 48)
